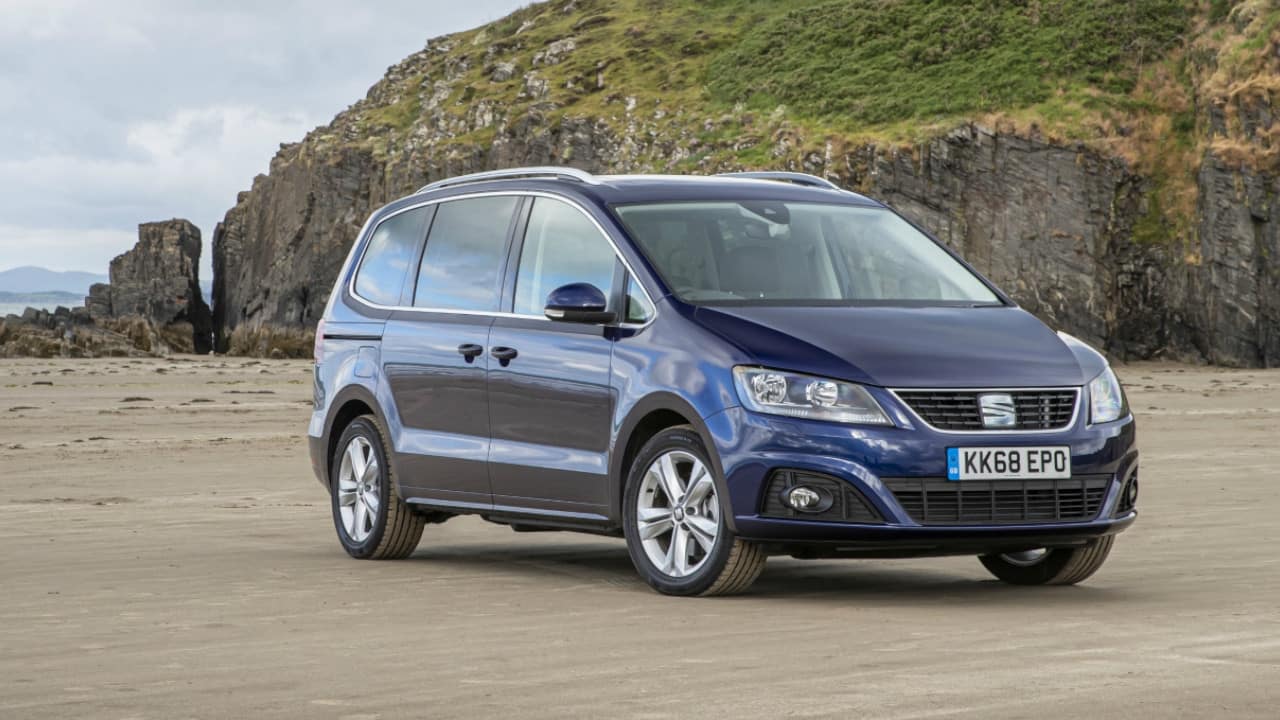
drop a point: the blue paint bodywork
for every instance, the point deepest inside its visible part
(545, 437)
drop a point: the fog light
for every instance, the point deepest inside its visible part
(1132, 498)
(807, 499)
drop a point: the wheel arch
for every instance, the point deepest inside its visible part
(647, 418)
(350, 403)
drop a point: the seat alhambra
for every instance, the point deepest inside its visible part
(717, 369)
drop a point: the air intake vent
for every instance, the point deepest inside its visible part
(936, 501)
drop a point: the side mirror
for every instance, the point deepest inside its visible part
(578, 302)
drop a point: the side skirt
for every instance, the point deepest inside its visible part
(524, 519)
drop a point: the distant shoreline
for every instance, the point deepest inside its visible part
(14, 303)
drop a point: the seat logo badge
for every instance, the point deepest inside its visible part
(998, 410)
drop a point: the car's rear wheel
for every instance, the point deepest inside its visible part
(1050, 566)
(371, 519)
(675, 525)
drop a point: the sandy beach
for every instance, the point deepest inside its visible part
(169, 554)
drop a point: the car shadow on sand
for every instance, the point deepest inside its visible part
(865, 581)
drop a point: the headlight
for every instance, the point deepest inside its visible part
(1106, 399)
(805, 396)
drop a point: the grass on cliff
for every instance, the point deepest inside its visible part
(868, 62)
(761, 83)
(888, 70)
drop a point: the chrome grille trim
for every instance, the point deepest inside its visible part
(911, 410)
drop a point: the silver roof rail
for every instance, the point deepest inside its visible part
(563, 173)
(791, 177)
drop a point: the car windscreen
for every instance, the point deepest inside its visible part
(765, 252)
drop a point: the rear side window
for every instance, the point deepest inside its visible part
(464, 254)
(391, 251)
(561, 246)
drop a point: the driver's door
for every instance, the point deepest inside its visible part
(550, 403)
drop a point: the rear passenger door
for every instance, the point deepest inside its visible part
(550, 403)
(435, 352)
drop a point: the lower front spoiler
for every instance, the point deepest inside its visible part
(832, 540)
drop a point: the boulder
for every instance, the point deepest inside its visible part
(98, 303)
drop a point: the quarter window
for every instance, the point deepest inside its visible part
(561, 246)
(638, 308)
(464, 254)
(391, 251)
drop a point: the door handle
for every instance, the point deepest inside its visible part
(470, 351)
(503, 354)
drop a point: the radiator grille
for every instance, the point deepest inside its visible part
(936, 501)
(960, 410)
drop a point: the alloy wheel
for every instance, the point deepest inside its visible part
(677, 513)
(359, 489)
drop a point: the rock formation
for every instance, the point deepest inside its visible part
(1079, 234)
(159, 281)
(152, 305)
(70, 332)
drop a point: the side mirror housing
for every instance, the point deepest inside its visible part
(580, 303)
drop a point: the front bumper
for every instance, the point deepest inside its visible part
(316, 449)
(751, 446)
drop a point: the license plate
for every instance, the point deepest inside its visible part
(1008, 463)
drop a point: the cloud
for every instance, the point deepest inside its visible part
(185, 165)
(112, 114)
(57, 249)
(180, 162)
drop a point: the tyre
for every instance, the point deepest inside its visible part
(372, 521)
(674, 521)
(1058, 566)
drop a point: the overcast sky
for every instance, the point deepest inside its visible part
(115, 113)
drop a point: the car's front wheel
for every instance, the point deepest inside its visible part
(674, 522)
(371, 519)
(1046, 566)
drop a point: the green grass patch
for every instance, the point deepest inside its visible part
(868, 62)
(400, 114)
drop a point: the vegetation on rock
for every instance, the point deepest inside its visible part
(1100, 158)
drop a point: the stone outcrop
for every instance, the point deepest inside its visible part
(152, 306)
(70, 332)
(159, 282)
(1053, 222)
(98, 303)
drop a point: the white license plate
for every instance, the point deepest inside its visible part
(1008, 463)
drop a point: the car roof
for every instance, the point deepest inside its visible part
(611, 189)
(606, 190)
(620, 189)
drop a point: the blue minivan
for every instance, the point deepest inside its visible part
(716, 369)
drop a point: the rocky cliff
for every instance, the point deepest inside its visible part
(1114, 167)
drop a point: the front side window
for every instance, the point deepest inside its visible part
(561, 246)
(464, 254)
(765, 252)
(391, 250)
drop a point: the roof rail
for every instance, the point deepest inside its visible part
(791, 177)
(563, 173)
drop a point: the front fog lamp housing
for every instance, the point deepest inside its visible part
(805, 396)
(807, 499)
(1106, 399)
